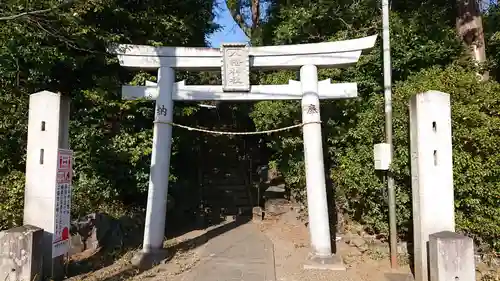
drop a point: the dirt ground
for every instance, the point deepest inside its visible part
(290, 238)
(364, 257)
(291, 246)
(181, 260)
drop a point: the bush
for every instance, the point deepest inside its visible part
(12, 198)
(476, 162)
(352, 127)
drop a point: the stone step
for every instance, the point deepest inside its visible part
(223, 175)
(224, 171)
(228, 197)
(223, 182)
(230, 193)
(223, 165)
(233, 207)
(230, 187)
(222, 187)
(238, 211)
(226, 194)
(242, 201)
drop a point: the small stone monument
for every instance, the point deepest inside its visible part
(21, 254)
(451, 257)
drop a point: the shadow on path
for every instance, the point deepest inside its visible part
(183, 246)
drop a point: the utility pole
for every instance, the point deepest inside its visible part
(386, 45)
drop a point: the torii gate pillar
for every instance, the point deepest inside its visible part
(317, 204)
(235, 67)
(154, 230)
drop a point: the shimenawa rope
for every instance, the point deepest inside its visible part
(236, 133)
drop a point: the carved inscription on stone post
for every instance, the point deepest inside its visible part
(235, 68)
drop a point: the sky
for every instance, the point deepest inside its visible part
(230, 31)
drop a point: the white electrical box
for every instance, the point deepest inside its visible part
(382, 156)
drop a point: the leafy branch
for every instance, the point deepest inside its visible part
(235, 9)
(35, 12)
(247, 15)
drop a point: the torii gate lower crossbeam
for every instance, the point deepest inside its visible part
(236, 86)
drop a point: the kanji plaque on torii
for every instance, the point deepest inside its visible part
(235, 67)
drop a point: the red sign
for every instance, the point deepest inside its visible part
(62, 206)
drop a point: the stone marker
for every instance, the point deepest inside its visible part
(431, 172)
(47, 193)
(451, 257)
(276, 206)
(257, 214)
(21, 254)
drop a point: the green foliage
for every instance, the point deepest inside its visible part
(12, 198)
(475, 122)
(492, 38)
(13, 128)
(64, 50)
(423, 45)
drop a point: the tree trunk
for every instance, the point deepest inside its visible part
(235, 8)
(255, 13)
(469, 26)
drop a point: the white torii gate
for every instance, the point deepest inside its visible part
(235, 61)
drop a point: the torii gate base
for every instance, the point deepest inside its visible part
(235, 79)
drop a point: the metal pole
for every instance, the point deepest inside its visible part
(388, 129)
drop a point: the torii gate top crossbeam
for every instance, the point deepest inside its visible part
(327, 54)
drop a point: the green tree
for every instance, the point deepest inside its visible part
(424, 45)
(63, 49)
(492, 35)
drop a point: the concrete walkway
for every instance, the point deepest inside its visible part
(243, 253)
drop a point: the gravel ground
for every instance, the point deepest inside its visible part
(291, 241)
